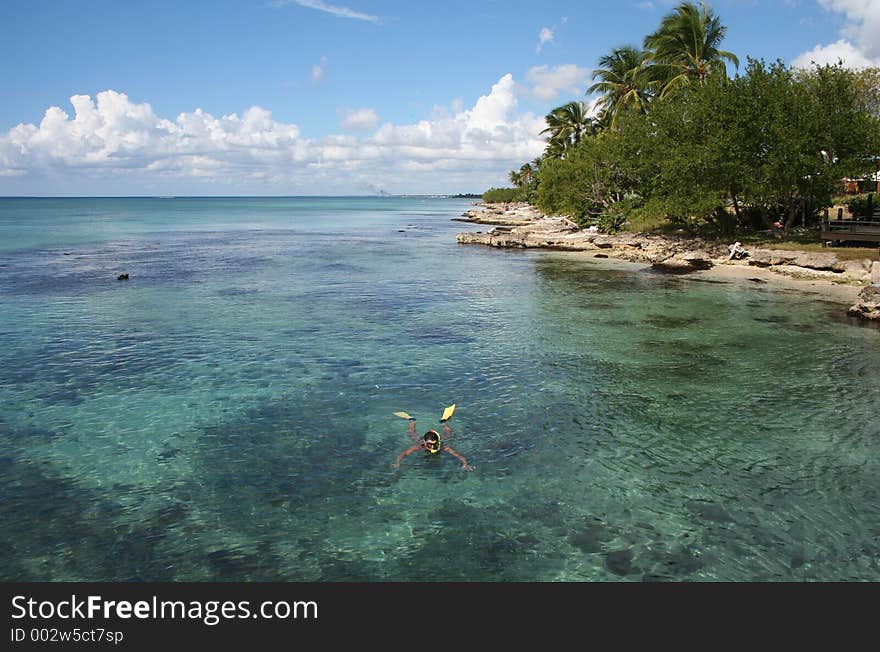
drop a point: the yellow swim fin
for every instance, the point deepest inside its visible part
(447, 413)
(402, 415)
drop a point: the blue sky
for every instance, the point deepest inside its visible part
(337, 97)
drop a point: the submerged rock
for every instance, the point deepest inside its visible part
(591, 537)
(619, 562)
(712, 512)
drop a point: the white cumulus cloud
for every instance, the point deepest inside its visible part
(491, 129)
(841, 50)
(110, 140)
(548, 82)
(863, 22)
(859, 46)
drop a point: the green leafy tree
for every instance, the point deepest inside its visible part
(716, 154)
(765, 141)
(850, 109)
(677, 165)
(867, 85)
(592, 184)
(768, 145)
(502, 195)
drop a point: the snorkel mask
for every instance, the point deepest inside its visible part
(432, 445)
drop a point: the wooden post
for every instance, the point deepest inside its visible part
(839, 214)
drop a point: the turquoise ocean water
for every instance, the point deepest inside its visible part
(227, 413)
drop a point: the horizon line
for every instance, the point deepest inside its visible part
(384, 196)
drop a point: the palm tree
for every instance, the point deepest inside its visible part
(624, 82)
(516, 178)
(526, 173)
(685, 46)
(566, 126)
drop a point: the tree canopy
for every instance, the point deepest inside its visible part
(677, 141)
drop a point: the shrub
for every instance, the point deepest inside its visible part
(503, 195)
(858, 205)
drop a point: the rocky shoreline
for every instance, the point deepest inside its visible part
(523, 226)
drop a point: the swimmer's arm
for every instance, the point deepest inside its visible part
(408, 451)
(459, 457)
(446, 429)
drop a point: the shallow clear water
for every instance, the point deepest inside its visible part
(227, 413)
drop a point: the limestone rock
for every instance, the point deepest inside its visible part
(672, 265)
(796, 271)
(870, 294)
(699, 259)
(818, 261)
(804, 259)
(778, 257)
(689, 261)
(760, 258)
(523, 226)
(855, 270)
(503, 214)
(548, 225)
(867, 306)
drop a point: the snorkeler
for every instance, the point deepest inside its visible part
(430, 441)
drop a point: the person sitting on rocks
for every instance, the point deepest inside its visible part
(736, 251)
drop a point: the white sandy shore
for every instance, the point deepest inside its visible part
(826, 290)
(843, 293)
(639, 252)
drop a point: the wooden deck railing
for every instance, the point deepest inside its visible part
(867, 230)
